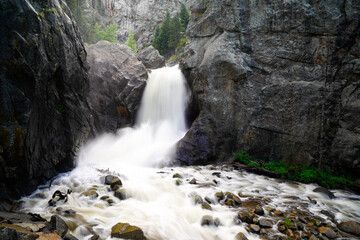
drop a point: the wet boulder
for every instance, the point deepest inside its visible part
(127, 231)
(151, 58)
(117, 81)
(350, 227)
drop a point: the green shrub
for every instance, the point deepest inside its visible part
(242, 157)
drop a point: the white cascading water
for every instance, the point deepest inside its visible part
(163, 210)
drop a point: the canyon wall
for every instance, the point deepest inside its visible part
(278, 79)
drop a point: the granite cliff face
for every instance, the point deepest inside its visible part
(44, 117)
(140, 16)
(278, 79)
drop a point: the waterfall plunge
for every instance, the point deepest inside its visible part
(160, 124)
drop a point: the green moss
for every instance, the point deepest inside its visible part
(208, 6)
(302, 173)
(42, 15)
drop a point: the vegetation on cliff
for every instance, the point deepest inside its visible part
(172, 32)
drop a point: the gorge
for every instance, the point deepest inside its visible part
(278, 80)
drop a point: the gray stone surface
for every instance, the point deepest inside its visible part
(151, 58)
(44, 116)
(277, 79)
(117, 81)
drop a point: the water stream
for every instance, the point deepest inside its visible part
(164, 210)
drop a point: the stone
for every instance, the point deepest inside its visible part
(91, 194)
(289, 233)
(198, 199)
(45, 116)
(117, 81)
(312, 237)
(259, 211)
(14, 232)
(217, 222)
(219, 196)
(265, 223)
(193, 181)
(240, 236)
(207, 220)
(120, 194)
(206, 206)
(255, 228)
(325, 192)
(59, 225)
(208, 200)
(127, 231)
(350, 227)
(151, 58)
(328, 232)
(177, 175)
(251, 91)
(53, 236)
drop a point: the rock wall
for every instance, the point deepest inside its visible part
(140, 16)
(43, 113)
(278, 79)
(117, 81)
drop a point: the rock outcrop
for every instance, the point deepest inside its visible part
(277, 79)
(43, 113)
(117, 81)
(151, 58)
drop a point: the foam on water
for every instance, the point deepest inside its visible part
(155, 203)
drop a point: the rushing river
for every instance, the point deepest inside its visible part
(163, 206)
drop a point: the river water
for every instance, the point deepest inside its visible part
(163, 206)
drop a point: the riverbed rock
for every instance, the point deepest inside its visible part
(59, 225)
(265, 223)
(279, 90)
(151, 58)
(328, 232)
(117, 81)
(324, 191)
(207, 220)
(44, 116)
(240, 236)
(255, 228)
(127, 231)
(350, 227)
(120, 194)
(206, 206)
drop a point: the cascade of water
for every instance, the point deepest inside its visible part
(160, 124)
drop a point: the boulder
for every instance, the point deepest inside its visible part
(151, 58)
(127, 231)
(44, 115)
(117, 81)
(328, 232)
(350, 227)
(240, 236)
(325, 192)
(58, 225)
(207, 220)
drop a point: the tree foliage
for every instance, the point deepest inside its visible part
(184, 16)
(130, 41)
(167, 37)
(105, 33)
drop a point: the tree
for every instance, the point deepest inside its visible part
(174, 33)
(156, 41)
(130, 41)
(109, 34)
(184, 16)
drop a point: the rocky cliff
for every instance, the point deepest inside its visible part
(43, 113)
(140, 16)
(278, 79)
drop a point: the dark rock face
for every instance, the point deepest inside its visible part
(151, 58)
(117, 81)
(43, 114)
(277, 79)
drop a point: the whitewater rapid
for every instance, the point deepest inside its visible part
(163, 206)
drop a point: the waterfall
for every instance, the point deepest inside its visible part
(165, 207)
(160, 124)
